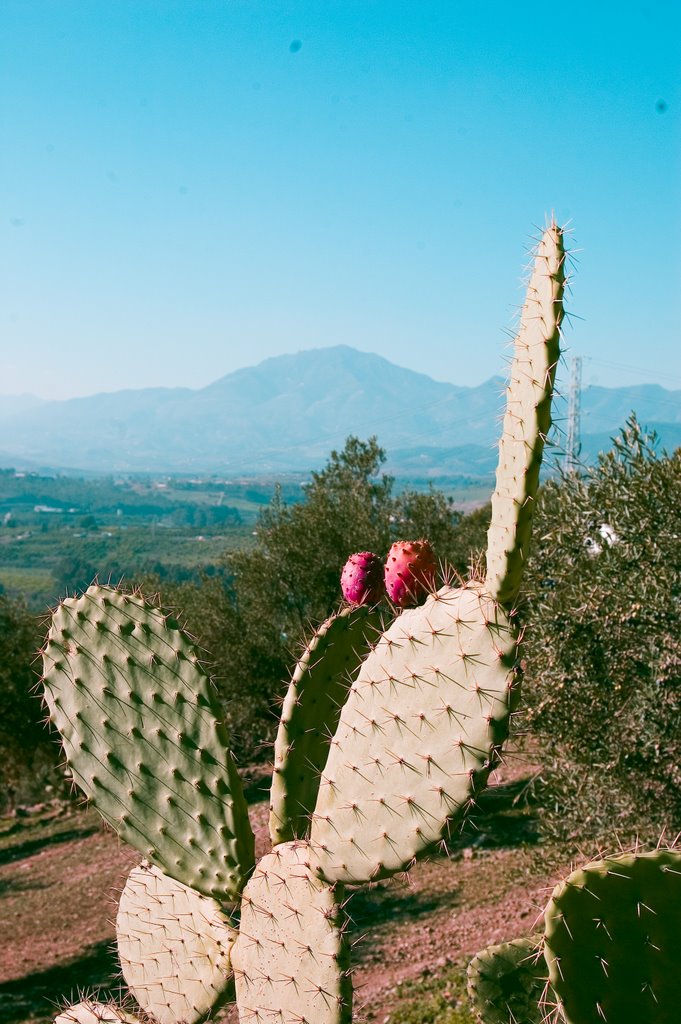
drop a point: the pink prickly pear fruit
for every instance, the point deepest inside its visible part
(362, 579)
(410, 571)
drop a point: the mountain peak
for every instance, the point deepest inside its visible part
(287, 413)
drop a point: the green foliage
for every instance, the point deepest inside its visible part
(253, 616)
(293, 574)
(248, 660)
(435, 999)
(469, 541)
(604, 642)
(27, 754)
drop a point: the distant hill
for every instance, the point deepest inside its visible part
(288, 412)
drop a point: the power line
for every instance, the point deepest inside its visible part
(573, 442)
(633, 369)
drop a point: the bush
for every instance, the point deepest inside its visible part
(604, 642)
(27, 753)
(254, 616)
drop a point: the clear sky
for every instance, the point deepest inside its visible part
(190, 186)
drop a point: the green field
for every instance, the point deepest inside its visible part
(57, 533)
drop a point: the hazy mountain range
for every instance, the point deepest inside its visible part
(288, 412)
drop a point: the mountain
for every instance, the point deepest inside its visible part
(287, 413)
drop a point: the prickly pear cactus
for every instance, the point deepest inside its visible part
(309, 717)
(142, 733)
(507, 982)
(383, 744)
(527, 420)
(425, 717)
(612, 940)
(291, 961)
(417, 736)
(174, 947)
(89, 1011)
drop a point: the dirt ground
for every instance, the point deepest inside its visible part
(60, 870)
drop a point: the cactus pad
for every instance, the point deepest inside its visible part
(612, 940)
(290, 960)
(312, 707)
(417, 735)
(90, 1012)
(527, 419)
(143, 738)
(173, 946)
(507, 982)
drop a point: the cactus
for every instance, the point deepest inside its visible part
(612, 940)
(506, 982)
(142, 733)
(174, 947)
(410, 571)
(527, 420)
(310, 714)
(610, 949)
(88, 1011)
(291, 961)
(415, 720)
(362, 579)
(417, 736)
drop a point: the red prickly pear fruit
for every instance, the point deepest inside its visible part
(362, 579)
(410, 570)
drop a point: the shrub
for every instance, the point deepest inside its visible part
(604, 642)
(27, 754)
(253, 616)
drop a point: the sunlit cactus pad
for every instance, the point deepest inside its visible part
(507, 982)
(89, 1011)
(310, 714)
(143, 738)
(291, 963)
(417, 735)
(613, 940)
(173, 947)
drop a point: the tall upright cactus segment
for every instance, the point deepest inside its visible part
(527, 419)
(143, 738)
(312, 707)
(612, 941)
(291, 961)
(430, 706)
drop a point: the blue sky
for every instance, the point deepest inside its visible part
(189, 187)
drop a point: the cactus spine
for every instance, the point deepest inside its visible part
(417, 719)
